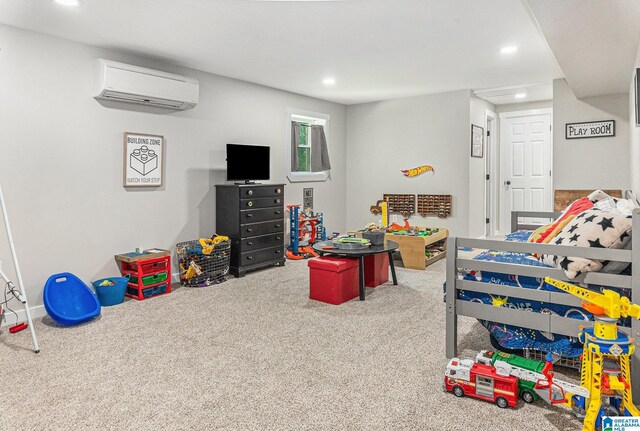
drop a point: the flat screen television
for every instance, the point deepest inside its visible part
(247, 163)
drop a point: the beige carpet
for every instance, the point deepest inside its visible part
(255, 354)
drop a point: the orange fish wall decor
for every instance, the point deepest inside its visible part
(417, 171)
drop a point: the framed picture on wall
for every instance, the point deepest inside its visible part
(477, 141)
(143, 160)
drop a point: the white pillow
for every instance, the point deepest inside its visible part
(591, 228)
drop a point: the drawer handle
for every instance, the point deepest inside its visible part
(278, 251)
(278, 212)
(278, 190)
(277, 201)
(249, 215)
(250, 204)
(278, 238)
(249, 230)
(250, 257)
(277, 225)
(250, 243)
(250, 192)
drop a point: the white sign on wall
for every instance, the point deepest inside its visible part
(143, 160)
(590, 129)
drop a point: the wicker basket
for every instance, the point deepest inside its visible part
(209, 269)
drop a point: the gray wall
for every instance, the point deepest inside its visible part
(478, 112)
(61, 168)
(596, 162)
(386, 137)
(634, 132)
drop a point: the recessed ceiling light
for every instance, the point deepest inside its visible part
(329, 81)
(508, 49)
(520, 95)
(68, 2)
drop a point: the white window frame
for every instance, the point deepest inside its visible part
(312, 117)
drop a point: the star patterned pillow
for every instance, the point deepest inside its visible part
(591, 228)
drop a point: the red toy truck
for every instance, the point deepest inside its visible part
(465, 377)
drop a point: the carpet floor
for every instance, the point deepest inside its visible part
(256, 354)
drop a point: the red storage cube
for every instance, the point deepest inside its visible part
(376, 269)
(333, 279)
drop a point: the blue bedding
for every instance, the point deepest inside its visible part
(514, 337)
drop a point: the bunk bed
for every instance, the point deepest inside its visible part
(460, 288)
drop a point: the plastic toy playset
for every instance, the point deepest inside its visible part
(605, 381)
(305, 229)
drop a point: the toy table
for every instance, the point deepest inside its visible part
(412, 248)
(389, 247)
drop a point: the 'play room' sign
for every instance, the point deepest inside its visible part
(591, 129)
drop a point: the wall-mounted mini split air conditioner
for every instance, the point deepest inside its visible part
(121, 82)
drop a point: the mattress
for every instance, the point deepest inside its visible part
(514, 337)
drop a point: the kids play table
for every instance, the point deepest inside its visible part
(326, 247)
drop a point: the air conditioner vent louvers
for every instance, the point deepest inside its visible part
(132, 84)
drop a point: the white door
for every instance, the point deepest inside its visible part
(526, 165)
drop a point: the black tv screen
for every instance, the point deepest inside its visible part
(247, 162)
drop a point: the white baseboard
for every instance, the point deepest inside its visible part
(10, 318)
(39, 310)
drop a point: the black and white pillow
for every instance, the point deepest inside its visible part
(591, 228)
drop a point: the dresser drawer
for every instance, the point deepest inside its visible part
(258, 256)
(273, 201)
(258, 229)
(258, 192)
(255, 216)
(258, 242)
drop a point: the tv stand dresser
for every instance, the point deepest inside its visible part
(252, 216)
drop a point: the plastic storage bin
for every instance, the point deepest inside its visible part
(111, 295)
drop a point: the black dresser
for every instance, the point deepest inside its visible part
(252, 216)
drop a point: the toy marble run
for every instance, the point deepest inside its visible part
(304, 230)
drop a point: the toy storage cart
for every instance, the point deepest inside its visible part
(150, 273)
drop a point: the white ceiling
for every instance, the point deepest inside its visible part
(375, 49)
(594, 41)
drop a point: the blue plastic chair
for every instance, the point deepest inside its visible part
(69, 301)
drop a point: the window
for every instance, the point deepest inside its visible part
(307, 149)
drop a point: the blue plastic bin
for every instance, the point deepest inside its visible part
(69, 301)
(111, 295)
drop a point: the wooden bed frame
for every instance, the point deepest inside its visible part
(527, 319)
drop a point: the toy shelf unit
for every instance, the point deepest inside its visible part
(400, 203)
(434, 205)
(418, 252)
(149, 272)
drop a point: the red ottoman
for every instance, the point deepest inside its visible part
(376, 269)
(333, 279)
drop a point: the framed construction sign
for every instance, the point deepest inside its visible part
(143, 160)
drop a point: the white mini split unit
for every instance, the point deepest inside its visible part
(121, 82)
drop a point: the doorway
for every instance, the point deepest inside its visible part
(525, 164)
(490, 176)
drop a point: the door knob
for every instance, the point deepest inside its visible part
(508, 183)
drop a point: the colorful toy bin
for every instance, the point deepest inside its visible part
(110, 291)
